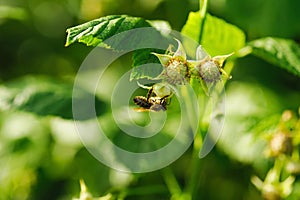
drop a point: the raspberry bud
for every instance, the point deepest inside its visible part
(176, 70)
(280, 143)
(293, 167)
(209, 71)
(270, 192)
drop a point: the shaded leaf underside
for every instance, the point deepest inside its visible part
(44, 97)
(280, 52)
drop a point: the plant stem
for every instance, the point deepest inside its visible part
(144, 190)
(171, 181)
(202, 9)
(193, 117)
(193, 178)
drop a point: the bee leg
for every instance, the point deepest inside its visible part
(163, 99)
(164, 102)
(149, 94)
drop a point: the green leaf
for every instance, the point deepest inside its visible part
(100, 32)
(281, 52)
(148, 71)
(219, 37)
(162, 26)
(94, 32)
(145, 64)
(43, 97)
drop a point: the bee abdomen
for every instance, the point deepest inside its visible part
(142, 102)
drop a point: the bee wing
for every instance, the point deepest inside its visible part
(141, 109)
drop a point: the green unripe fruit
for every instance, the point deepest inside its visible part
(209, 71)
(176, 72)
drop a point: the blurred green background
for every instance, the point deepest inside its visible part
(43, 158)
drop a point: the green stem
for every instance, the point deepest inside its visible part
(171, 181)
(193, 118)
(193, 178)
(143, 190)
(278, 165)
(203, 9)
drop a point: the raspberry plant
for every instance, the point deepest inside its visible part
(178, 70)
(41, 155)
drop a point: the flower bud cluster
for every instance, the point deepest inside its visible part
(178, 70)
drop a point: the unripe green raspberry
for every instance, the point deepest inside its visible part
(176, 72)
(280, 143)
(209, 71)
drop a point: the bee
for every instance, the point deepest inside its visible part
(150, 104)
(153, 103)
